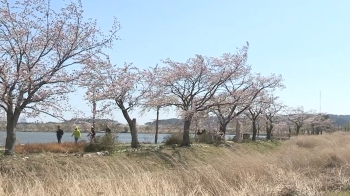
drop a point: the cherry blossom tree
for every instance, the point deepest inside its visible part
(201, 121)
(123, 86)
(254, 110)
(191, 85)
(271, 109)
(154, 98)
(40, 49)
(154, 101)
(240, 94)
(233, 101)
(263, 87)
(319, 123)
(298, 117)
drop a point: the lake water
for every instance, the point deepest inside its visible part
(46, 137)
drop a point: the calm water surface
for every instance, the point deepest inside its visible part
(46, 137)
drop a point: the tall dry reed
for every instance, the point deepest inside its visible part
(306, 165)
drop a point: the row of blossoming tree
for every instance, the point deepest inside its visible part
(222, 86)
(45, 54)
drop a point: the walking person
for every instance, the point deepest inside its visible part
(92, 134)
(59, 134)
(76, 134)
(108, 130)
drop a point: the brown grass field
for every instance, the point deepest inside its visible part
(66, 147)
(304, 165)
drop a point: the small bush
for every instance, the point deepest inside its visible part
(209, 138)
(175, 138)
(334, 161)
(346, 188)
(246, 136)
(101, 143)
(306, 143)
(289, 191)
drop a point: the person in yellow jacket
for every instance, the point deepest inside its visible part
(76, 134)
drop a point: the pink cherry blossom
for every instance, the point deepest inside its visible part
(40, 48)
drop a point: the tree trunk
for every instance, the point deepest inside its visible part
(268, 135)
(269, 131)
(10, 139)
(12, 120)
(289, 130)
(238, 137)
(318, 131)
(186, 135)
(223, 128)
(93, 113)
(133, 131)
(297, 130)
(157, 121)
(134, 141)
(254, 130)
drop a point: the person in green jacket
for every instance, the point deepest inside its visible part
(76, 134)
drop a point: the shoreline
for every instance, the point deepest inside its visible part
(85, 132)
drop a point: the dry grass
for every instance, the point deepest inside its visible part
(66, 147)
(307, 165)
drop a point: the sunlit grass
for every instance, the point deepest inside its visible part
(305, 165)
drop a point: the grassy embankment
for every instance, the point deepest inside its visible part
(307, 165)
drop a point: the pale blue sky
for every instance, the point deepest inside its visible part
(306, 41)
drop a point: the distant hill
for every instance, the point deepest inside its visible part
(175, 121)
(339, 120)
(87, 120)
(75, 121)
(171, 121)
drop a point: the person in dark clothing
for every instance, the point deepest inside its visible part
(92, 134)
(108, 130)
(59, 134)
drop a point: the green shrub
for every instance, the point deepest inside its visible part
(101, 143)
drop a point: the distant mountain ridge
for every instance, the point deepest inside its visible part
(339, 120)
(89, 120)
(77, 120)
(170, 121)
